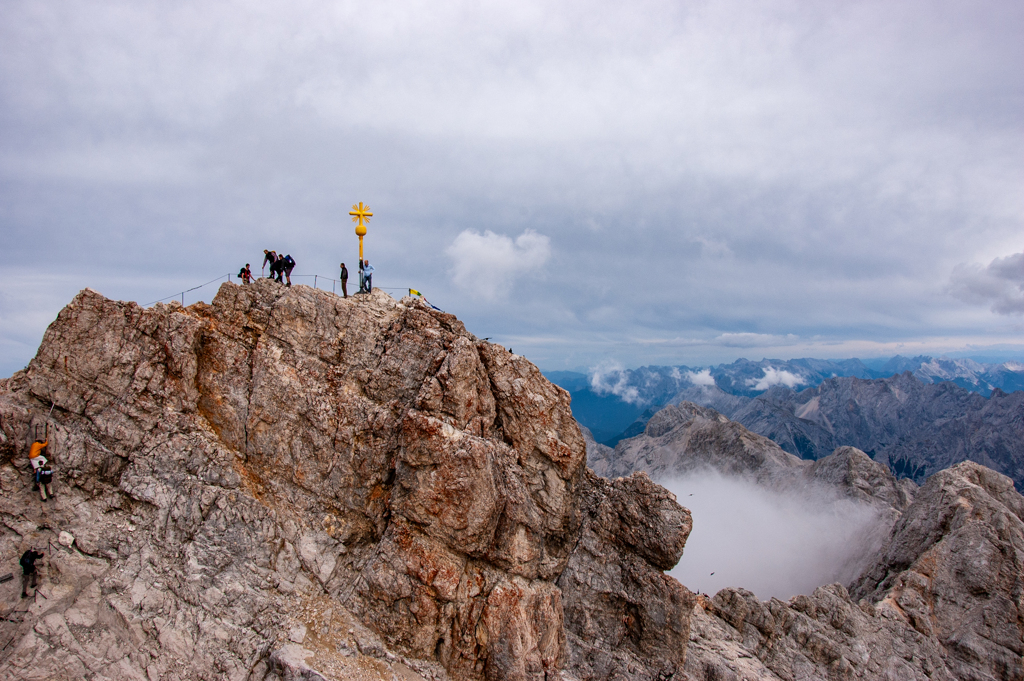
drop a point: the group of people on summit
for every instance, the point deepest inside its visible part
(281, 267)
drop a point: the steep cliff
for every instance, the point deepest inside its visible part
(288, 484)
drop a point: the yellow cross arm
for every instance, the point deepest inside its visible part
(360, 213)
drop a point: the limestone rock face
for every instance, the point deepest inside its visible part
(288, 484)
(943, 602)
(638, 627)
(954, 570)
(941, 598)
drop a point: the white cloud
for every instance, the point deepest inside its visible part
(774, 544)
(702, 377)
(1000, 284)
(486, 264)
(610, 378)
(755, 340)
(774, 376)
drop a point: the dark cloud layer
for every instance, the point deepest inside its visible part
(701, 181)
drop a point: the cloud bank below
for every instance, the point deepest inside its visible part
(776, 545)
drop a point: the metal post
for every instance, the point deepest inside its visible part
(314, 281)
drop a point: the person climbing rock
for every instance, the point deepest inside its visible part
(289, 265)
(37, 457)
(28, 571)
(269, 257)
(245, 274)
(344, 280)
(44, 480)
(368, 273)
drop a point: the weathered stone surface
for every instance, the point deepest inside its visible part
(943, 602)
(941, 599)
(286, 484)
(954, 570)
(638, 625)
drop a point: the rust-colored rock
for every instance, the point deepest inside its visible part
(288, 484)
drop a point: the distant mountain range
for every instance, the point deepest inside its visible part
(609, 401)
(931, 415)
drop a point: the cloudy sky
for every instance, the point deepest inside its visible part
(644, 182)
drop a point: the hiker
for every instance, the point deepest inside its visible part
(362, 278)
(245, 274)
(277, 270)
(36, 455)
(287, 267)
(28, 571)
(44, 480)
(271, 257)
(344, 280)
(368, 273)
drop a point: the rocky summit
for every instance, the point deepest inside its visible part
(285, 484)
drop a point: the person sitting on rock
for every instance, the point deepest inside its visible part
(44, 480)
(28, 571)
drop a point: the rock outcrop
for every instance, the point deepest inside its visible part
(942, 598)
(944, 602)
(287, 484)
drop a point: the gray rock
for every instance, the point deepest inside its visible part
(287, 484)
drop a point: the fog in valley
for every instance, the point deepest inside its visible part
(771, 543)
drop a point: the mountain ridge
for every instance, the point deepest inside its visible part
(285, 484)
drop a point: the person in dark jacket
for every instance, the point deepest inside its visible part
(289, 265)
(269, 257)
(28, 571)
(277, 270)
(44, 480)
(344, 280)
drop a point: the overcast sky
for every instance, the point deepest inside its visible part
(640, 183)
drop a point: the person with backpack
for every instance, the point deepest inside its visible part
(245, 274)
(344, 280)
(44, 480)
(289, 265)
(37, 458)
(271, 257)
(28, 571)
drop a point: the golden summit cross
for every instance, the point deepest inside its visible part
(361, 216)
